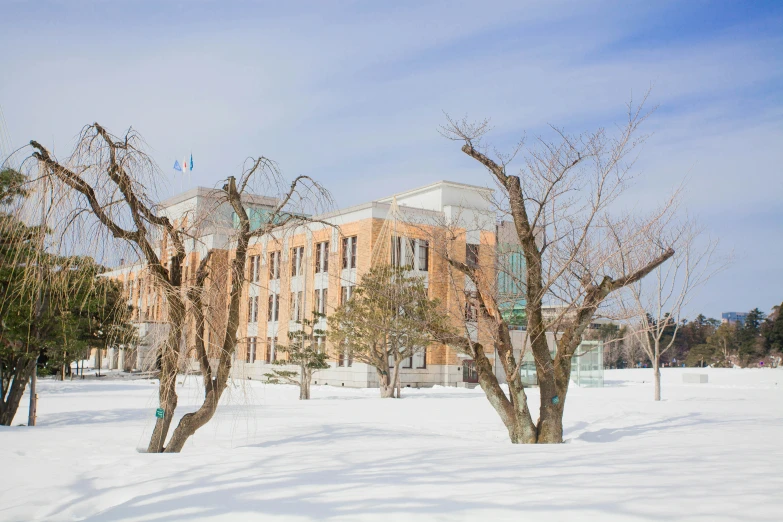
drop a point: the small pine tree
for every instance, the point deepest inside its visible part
(303, 350)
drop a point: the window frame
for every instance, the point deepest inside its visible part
(472, 255)
(274, 265)
(322, 257)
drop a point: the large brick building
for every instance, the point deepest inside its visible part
(315, 267)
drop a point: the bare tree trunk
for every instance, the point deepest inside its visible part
(397, 380)
(13, 395)
(550, 420)
(515, 415)
(167, 391)
(657, 371)
(304, 385)
(214, 387)
(386, 384)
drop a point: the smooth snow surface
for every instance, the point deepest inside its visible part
(706, 452)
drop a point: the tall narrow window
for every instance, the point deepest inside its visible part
(251, 350)
(409, 251)
(322, 257)
(269, 353)
(345, 294)
(255, 268)
(296, 306)
(297, 261)
(274, 265)
(471, 255)
(396, 251)
(344, 357)
(424, 255)
(319, 300)
(252, 309)
(420, 359)
(274, 306)
(471, 312)
(349, 252)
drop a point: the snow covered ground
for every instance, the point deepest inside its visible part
(706, 452)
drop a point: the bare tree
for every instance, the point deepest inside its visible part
(113, 180)
(287, 213)
(108, 174)
(565, 189)
(653, 306)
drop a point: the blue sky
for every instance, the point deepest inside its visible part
(352, 93)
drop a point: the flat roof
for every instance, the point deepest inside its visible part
(432, 186)
(207, 192)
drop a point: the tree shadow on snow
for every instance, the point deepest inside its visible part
(288, 482)
(615, 434)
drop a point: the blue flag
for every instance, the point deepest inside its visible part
(191, 162)
(176, 166)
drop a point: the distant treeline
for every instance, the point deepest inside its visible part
(702, 342)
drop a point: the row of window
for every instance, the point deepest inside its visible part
(269, 355)
(297, 260)
(296, 304)
(410, 253)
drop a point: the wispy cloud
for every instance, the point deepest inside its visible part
(352, 93)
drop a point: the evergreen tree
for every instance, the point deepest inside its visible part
(306, 349)
(388, 319)
(51, 308)
(750, 340)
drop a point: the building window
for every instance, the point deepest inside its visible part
(345, 294)
(420, 359)
(322, 257)
(319, 300)
(274, 307)
(396, 251)
(252, 309)
(296, 306)
(255, 268)
(274, 265)
(349, 252)
(471, 312)
(251, 350)
(423, 257)
(345, 358)
(471, 255)
(297, 261)
(269, 353)
(413, 254)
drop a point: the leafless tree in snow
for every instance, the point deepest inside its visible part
(565, 188)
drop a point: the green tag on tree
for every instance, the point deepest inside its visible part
(159, 413)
